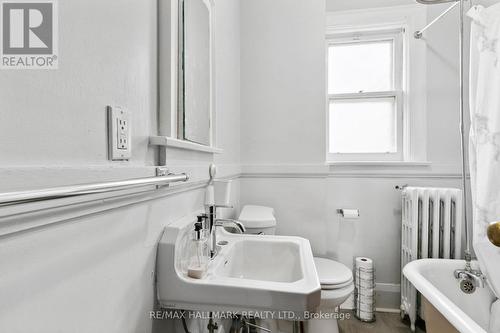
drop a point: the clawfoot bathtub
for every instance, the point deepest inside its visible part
(446, 307)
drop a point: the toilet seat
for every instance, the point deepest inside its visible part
(332, 274)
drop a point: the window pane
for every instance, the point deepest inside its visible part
(362, 66)
(363, 126)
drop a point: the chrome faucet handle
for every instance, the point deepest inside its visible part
(203, 218)
(475, 275)
(230, 223)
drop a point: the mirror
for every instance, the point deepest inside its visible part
(195, 100)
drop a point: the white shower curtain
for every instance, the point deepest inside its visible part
(484, 149)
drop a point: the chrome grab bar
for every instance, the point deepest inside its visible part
(13, 198)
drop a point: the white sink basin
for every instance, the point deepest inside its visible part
(250, 273)
(262, 259)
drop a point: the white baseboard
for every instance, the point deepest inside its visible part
(387, 310)
(381, 288)
(388, 287)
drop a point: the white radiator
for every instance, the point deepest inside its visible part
(431, 228)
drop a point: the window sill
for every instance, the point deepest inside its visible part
(380, 163)
(166, 141)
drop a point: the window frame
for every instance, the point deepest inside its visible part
(398, 92)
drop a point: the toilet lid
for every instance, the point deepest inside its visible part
(257, 217)
(332, 273)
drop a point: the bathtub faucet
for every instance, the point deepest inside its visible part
(469, 279)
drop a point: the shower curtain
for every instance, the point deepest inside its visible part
(484, 145)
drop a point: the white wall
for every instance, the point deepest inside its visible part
(283, 145)
(58, 117)
(89, 274)
(282, 59)
(90, 270)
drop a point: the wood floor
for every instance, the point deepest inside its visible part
(385, 323)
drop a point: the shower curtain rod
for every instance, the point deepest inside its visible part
(419, 34)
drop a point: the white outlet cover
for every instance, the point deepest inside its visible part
(119, 129)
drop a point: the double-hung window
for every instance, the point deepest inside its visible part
(365, 96)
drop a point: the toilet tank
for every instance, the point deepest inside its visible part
(258, 220)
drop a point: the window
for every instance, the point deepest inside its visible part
(365, 96)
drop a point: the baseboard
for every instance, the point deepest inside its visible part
(387, 298)
(387, 310)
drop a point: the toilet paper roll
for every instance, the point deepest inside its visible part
(366, 292)
(365, 299)
(365, 284)
(367, 308)
(365, 287)
(349, 213)
(363, 262)
(365, 275)
(368, 316)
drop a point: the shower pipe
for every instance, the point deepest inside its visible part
(468, 255)
(418, 35)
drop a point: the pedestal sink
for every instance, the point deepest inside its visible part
(268, 273)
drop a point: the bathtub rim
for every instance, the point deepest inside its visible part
(458, 318)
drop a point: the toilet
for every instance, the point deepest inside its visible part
(258, 220)
(335, 278)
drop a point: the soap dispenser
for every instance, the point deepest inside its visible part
(197, 260)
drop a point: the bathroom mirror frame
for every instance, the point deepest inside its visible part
(170, 128)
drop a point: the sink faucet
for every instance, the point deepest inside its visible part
(230, 223)
(240, 229)
(213, 222)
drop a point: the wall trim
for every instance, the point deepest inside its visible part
(24, 217)
(382, 289)
(20, 218)
(350, 175)
(388, 287)
(321, 170)
(387, 310)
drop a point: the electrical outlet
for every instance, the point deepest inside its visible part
(119, 145)
(122, 134)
